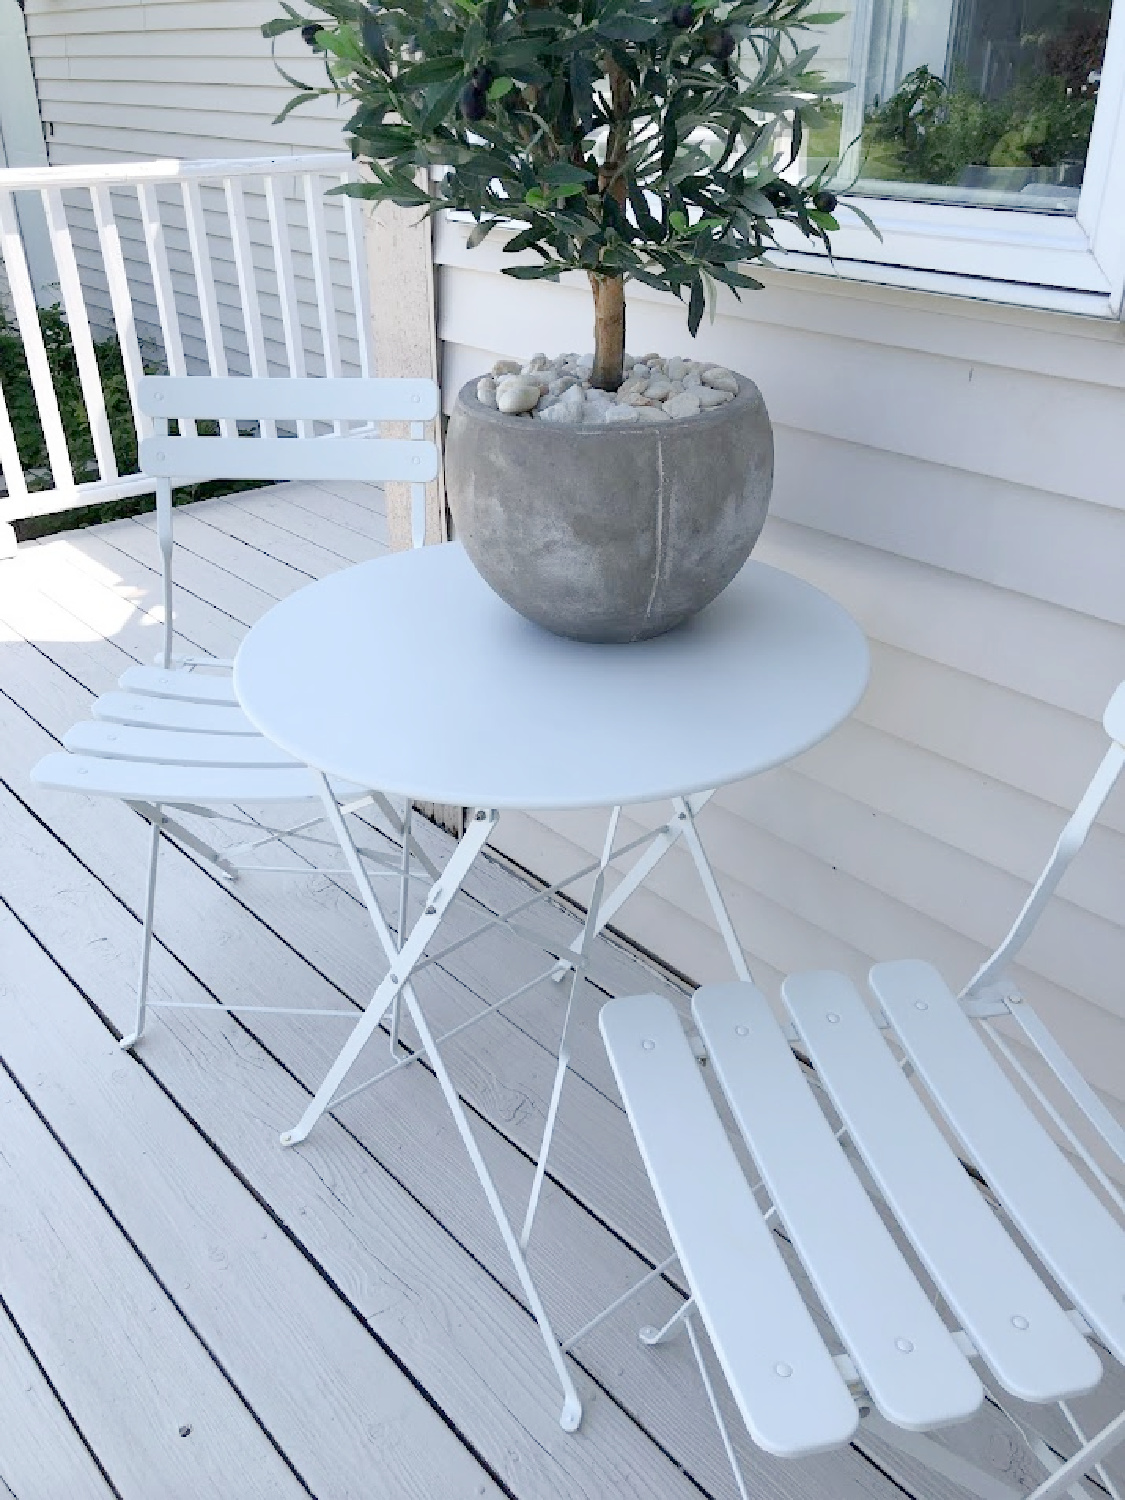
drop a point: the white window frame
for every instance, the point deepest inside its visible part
(1058, 262)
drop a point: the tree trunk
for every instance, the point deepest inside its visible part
(609, 331)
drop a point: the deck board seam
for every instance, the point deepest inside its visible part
(33, 1356)
(131, 1242)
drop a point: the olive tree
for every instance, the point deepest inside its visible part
(646, 140)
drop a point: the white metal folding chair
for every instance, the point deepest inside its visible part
(174, 739)
(1016, 1282)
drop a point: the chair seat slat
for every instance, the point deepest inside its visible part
(147, 781)
(1055, 1210)
(168, 713)
(1022, 1333)
(171, 747)
(905, 1355)
(173, 682)
(791, 1396)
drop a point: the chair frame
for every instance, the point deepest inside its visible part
(990, 996)
(352, 450)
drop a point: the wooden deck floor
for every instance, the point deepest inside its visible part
(187, 1310)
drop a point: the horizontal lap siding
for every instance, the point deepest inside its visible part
(950, 473)
(154, 80)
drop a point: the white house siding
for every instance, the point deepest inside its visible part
(187, 79)
(951, 472)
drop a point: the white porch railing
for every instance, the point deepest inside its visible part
(220, 267)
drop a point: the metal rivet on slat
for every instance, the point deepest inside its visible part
(416, 399)
(920, 1005)
(783, 1370)
(415, 460)
(742, 1031)
(160, 457)
(832, 1018)
(904, 1345)
(647, 1045)
(82, 770)
(1019, 1322)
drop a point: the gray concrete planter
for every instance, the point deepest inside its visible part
(609, 533)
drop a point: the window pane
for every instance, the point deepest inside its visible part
(987, 102)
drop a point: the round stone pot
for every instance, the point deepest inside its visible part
(609, 533)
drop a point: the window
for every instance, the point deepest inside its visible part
(985, 137)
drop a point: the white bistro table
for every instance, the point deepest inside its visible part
(408, 674)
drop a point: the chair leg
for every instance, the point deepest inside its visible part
(135, 1035)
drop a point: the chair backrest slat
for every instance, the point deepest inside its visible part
(370, 459)
(312, 399)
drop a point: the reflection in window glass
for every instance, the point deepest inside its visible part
(966, 101)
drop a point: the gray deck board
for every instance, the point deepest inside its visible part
(406, 1301)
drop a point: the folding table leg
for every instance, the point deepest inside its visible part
(589, 932)
(571, 1414)
(686, 816)
(637, 873)
(403, 959)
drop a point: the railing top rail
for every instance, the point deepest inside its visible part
(128, 174)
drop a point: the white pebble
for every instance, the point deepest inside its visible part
(640, 370)
(506, 367)
(516, 396)
(708, 397)
(616, 414)
(684, 405)
(536, 362)
(651, 414)
(565, 413)
(721, 379)
(692, 380)
(676, 369)
(659, 388)
(486, 391)
(563, 383)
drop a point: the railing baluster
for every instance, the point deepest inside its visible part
(205, 283)
(121, 300)
(35, 351)
(247, 285)
(322, 279)
(286, 285)
(357, 260)
(78, 323)
(162, 285)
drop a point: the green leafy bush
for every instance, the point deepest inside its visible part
(630, 139)
(929, 131)
(19, 397)
(15, 381)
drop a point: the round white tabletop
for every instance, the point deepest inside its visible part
(408, 674)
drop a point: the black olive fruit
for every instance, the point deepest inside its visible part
(825, 202)
(483, 76)
(683, 16)
(474, 102)
(721, 44)
(309, 32)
